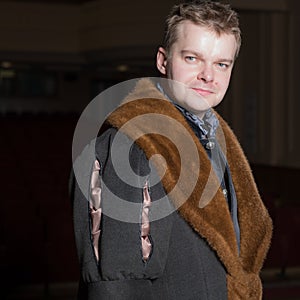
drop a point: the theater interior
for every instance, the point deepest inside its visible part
(57, 56)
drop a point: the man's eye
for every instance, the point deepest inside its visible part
(223, 66)
(190, 58)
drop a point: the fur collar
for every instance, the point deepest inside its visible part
(210, 219)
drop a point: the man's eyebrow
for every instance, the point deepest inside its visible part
(191, 52)
(198, 54)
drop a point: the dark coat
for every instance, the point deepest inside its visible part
(194, 250)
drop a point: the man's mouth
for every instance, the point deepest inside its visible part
(203, 92)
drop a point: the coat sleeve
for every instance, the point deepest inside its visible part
(120, 270)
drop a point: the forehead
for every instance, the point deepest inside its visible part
(197, 37)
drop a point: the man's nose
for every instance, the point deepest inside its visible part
(206, 73)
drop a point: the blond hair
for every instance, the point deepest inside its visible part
(216, 16)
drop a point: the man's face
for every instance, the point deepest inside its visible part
(202, 62)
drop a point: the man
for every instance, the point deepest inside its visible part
(174, 212)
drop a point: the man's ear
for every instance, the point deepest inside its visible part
(161, 61)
